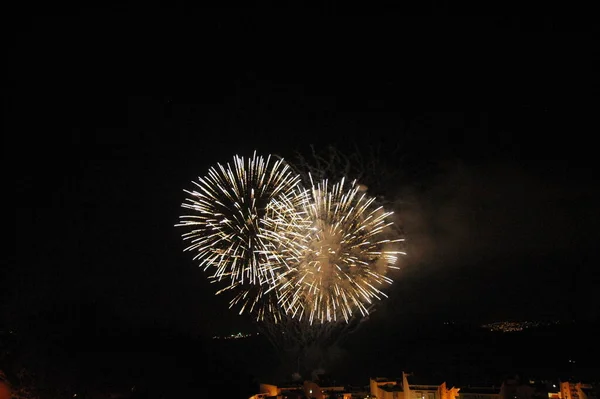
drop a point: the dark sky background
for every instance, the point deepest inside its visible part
(111, 117)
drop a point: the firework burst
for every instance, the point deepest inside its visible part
(284, 252)
(335, 248)
(226, 211)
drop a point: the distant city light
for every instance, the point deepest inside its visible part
(515, 326)
(234, 336)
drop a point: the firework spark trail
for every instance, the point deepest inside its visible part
(336, 251)
(226, 212)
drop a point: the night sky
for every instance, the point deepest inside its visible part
(111, 116)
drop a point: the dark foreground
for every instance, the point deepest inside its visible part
(156, 363)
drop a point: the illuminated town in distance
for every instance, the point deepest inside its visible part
(235, 336)
(497, 326)
(515, 326)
